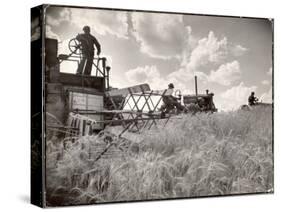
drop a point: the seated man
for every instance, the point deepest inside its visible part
(170, 100)
(252, 100)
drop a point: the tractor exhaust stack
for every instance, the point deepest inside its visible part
(196, 90)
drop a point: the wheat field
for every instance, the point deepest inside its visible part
(195, 155)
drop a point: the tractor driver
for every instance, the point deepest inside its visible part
(170, 101)
(252, 100)
(88, 44)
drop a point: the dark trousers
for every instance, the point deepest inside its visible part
(85, 68)
(170, 102)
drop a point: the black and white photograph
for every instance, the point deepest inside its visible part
(151, 105)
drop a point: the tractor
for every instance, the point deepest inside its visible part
(199, 103)
(191, 103)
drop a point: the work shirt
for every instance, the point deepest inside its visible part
(170, 92)
(88, 42)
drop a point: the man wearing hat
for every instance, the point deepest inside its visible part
(170, 100)
(88, 44)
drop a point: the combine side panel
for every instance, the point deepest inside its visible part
(84, 101)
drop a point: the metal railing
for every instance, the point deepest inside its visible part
(99, 67)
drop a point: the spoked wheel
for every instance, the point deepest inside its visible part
(75, 46)
(178, 94)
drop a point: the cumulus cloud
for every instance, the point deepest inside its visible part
(182, 75)
(51, 21)
(142, 74)
(160, 35)
(226, 73)
(152, 76)
(101, 21)
(55, 16)
(209, 50)
(51, 34)
(62, 15)
(234, 97)
(65, 14)
(146, 74)
(238, 50)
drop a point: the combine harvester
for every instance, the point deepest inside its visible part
(139, 108)
(79, 105)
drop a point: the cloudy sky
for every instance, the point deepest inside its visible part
(230, 56)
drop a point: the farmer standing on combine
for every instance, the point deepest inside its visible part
(252, 100)
(88, 44)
